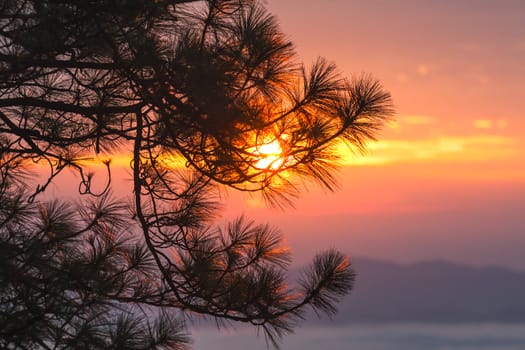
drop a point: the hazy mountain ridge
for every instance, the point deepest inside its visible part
(434, 291)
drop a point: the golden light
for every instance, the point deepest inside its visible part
(269, 155)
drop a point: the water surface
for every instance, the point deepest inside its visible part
(405, 336)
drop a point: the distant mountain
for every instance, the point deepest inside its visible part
(433, 292)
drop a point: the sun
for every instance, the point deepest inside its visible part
(269, 156)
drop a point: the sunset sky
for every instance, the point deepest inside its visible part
(446, 178)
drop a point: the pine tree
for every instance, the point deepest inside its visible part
(209, 82)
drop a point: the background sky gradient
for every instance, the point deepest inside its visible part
(446, 179)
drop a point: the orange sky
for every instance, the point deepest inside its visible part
(446, 178)
(455, 70)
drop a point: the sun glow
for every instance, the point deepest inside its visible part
(269, 156)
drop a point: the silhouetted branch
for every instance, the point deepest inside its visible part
(206, 84)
